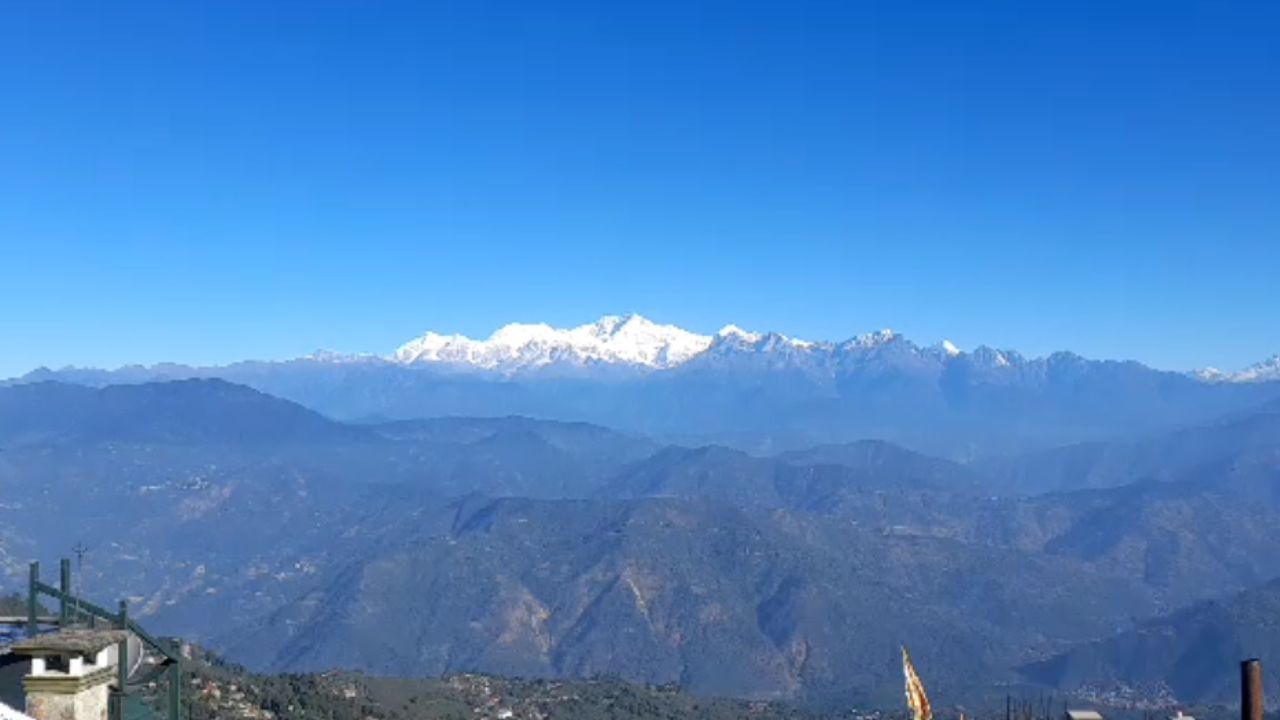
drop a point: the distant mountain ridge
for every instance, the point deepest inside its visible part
(1215, 449)
(761, 392)
(209, 410)
(1266, 371)
(635, 341)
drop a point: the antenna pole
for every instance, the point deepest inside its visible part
(64, 584)
(80, 550)
(33, 625)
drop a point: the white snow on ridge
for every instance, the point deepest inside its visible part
(874, 339)
(626, 340)
(945, 349)
(1211, 374)
(732, 338)
(621, 340)
(1266, 371)
(733, 332)
(636, 342)
(333, 356)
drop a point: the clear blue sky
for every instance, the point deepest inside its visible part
(211, 181)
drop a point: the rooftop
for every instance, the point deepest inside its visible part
(69, 642)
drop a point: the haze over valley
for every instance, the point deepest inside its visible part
(745, 515)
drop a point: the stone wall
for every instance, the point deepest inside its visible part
(67, 700)
(90, 704)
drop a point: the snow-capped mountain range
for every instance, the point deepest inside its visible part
(1266, 371)
(754, 390)
(637, 342)
(636, 345)
(620, 340)
(614, 339)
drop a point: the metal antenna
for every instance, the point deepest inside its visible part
(80, 549)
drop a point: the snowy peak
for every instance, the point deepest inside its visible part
(614, 339)
(991, 357)
(334, 357)
(735, 334)
(942, 351)
(734, 338)
(1266, 371)
(869, 341)
(633, 341)
(617, 340)
(1208, 374)
(639, 341)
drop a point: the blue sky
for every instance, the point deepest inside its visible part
(205, 182)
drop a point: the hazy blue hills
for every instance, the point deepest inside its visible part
(1204, 451)
(876, 458)
(1193, 654)
(717, 599)
(565, 549)
(871, 480)
(192, 411)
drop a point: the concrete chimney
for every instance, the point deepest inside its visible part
(71, 673)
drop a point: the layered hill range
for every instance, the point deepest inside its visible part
(291, 541)
(753, 391)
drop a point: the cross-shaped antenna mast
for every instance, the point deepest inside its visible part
(80, 549)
